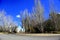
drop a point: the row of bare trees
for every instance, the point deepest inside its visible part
(34, 21)
(30, 20)
(6, 22)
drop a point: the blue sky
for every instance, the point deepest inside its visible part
(13, 7)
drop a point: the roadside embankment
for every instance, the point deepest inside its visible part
(38, 34)
(30, 34)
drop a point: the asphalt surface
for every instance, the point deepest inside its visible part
(22, 37)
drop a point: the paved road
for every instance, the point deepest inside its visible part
(20, 37)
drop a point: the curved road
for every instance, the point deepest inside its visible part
(20, 37)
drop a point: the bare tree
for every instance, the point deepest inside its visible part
(38, 13)
(2, 17)
(25, 19)
(53, 14)
(10, 24)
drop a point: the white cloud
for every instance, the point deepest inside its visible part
(18, 16)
